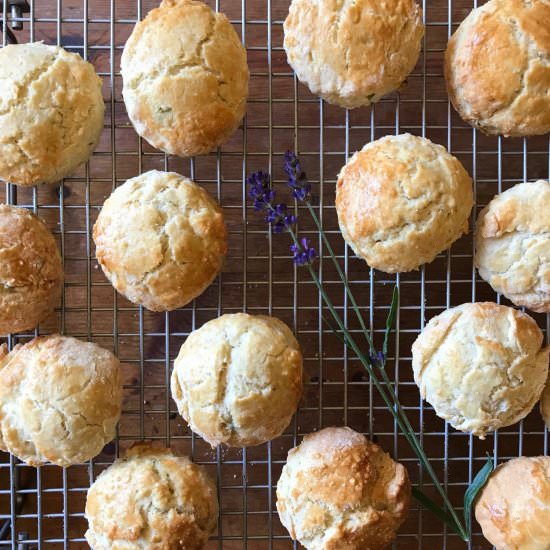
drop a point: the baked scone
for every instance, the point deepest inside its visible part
(497, 68)
(339, 490)
(51, 113)
(480, 366)
(238, 379)
(185, 78)
(160, 239)
(31, 272)
(513, 244)
(151, 500)
(544, 405)
(513, 507)
(60, 400)
(353, 53)
(402, 200)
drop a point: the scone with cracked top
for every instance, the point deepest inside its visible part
(513, 508)
(352, 53)
(339, 490)
(51, 113)
(238, 379)
(161, 240)
(185, 78)
(402, 200)
(151, 500)
(497, 68)
(481, 366)
(60, 400)
(31, 271)
(513, 244)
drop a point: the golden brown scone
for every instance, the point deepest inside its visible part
(160, 239)
(185, 78)
(151, 500)
(497, 68)
(352, 53)
(480, 366)
(60, 400)
(238, 379)
(402, 200)
(513, 244)
(31, 272)
(51, 113)
(340, 491)
(544, 405)
(513, 508)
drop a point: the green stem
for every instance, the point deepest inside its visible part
(395, 408)
(342, 276)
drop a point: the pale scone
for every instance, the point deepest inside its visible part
(51, 113)
(402, 200)
(480, 366)
(60, 400)
(339, 490)
(31, 272)
(513, 509)
(353, 53)
(497, 68)
(151, 500)
(238, 379)
(161, 240)
(185, 78)
(513, 245)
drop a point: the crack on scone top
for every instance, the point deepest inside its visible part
(175, 68)
(533, 55)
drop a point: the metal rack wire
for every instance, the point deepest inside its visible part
(43, 508)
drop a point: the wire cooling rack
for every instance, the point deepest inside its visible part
(43, 508)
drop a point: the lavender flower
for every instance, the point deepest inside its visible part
(277, 215)
(303, 252)
(297, 180)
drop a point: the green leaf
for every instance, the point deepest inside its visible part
(428, 503)
(471, 493)
(390, 319)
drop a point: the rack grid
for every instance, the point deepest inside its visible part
(43, 508)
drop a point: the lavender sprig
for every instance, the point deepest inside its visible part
(297, 180)
(303, 252)
(374, 361)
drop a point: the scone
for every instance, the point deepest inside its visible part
(238, 379)
(160, 239)
(339, 490)
(185, 78)
(353, 53)
(31, 272)
(513, 509)
(151, 500)
(60, 400)
(51, 113)
(513, 245)
(402, 200)
(497, 68)
(480, 366)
